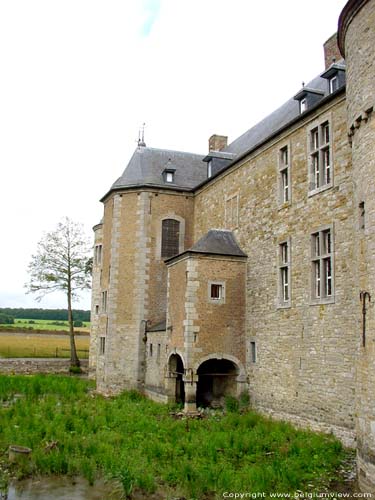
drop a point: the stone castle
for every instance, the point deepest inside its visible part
(251, 269)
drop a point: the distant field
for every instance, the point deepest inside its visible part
(37, 346)
(45, 324)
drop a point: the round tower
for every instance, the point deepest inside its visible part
(356, 37)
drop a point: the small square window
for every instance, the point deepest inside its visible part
(216, 292)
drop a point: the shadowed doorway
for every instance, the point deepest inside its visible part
(176, 370)
(216, 379)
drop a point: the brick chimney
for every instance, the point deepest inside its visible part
(331, 51)
(217, 142)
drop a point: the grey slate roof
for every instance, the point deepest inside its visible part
(158, 327)
(273, 122)
(147, 165)
(218, 241)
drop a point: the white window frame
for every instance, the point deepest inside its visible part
(209, 169)
(284, 176)
(303, 105)
(221, 298)
(284, 273)
(320, 158)
(169, 177)
(232, 211)
(334, 81)
(322, 266)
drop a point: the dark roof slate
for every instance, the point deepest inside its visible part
(273, 122)
(146, 167)
(218, 241)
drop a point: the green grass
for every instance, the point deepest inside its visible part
(44, 324)
(129, 438)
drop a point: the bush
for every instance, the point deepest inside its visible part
(5, 319)
(78, 323)
(231, 404)
(75, 370)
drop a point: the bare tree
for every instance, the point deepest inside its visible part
(62, 263)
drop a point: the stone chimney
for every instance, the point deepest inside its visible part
(331, 51)
(217, 142)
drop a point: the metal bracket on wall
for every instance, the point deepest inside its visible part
(363, 296)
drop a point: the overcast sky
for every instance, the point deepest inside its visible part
(79, 77)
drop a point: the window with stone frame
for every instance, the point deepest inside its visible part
(231, 211)
(104, 301)
(98, 254)
(253, 352)
(322, 265)
(216, 292)
(101, 345)
(284, 274)
(284, 175)
(170, 238)
(320, 157)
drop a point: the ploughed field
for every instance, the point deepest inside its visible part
(149, 450)
(33, 345)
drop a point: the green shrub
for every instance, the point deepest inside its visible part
(75, 370)
(78, 323)
(231, 404)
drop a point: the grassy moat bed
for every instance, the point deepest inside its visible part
(137, 442)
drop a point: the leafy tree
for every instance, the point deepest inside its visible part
(5, 319)
(62, 263)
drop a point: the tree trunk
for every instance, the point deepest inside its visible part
(74, 361)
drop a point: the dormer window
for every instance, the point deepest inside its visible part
(308, 98)
(209, 169)
(333, 84)
(335, 76)
(168, 175)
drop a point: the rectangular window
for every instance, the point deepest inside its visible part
(333, 84)
(362, 215)
(216, 291)
(97, 309)
(150, 351)
(231, 212)
(284, 273)
(320, 157)
(158, 352)
(302, 105)
(253, 352)
(284, 175)
(98, 254)
(169, 176)
(104, 301)
(102, 345)
(321, 259)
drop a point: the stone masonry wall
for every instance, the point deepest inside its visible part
(305, 353)
(95, 304)
(136, 279)
(359, 47)
(33, 366)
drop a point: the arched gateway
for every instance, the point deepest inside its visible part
(217, 378)
(176, 372)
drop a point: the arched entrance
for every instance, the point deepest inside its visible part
(216, 379)
(176, 371)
